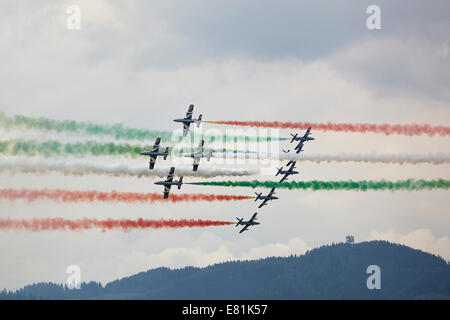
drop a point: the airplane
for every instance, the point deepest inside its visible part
(186, 121)
(169, 182)
(155, 153)
(287, 172)
(248, 223)
(304, 138)
(265, 198)
(197, 155)
(299, 147)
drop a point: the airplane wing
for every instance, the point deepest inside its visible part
(263, 203)
(170, 175)
(152, 162)
(271, 192)
(196, 158)
(253, 217)
(299, 146)
(307, 133)
(166, 191)
(284, 178)
(244, 229)
(156, 145)
(186, 128)
(189, 112)
(292, 167)
(200, 146)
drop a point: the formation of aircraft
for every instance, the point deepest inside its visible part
(154, 153)
(186, 121)
(169, 182)
(198, 154)
(248, 223)
(286, 173)
(270, 196)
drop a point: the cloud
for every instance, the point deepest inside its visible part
(422, 239)
(395, 66)
(293, 246)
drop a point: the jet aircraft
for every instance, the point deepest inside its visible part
(155, 153)
(198, 154)
(186, 121)
(169, 182)
(267, 198)
(288, 172)
(248, 223)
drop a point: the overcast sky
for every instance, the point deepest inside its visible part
(142, 63)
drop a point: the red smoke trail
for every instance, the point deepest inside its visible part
(55, 224)
(387, 129)
(114, 196)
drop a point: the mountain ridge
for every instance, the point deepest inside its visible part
(334, 271)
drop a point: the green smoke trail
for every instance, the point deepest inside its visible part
(363, 185)
(118, 131)
(51, 148)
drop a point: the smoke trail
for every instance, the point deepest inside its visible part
(55, 224)
(118, 131)
(364, 185)
(51, 148)
(113, 196)
(387, 129)
(81, 168)
(400, 158)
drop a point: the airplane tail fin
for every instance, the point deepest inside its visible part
(181, 181)
(279, 169)
(209, 155)
(257, 196)
(293, 137)
(199, 120)
(286, 151)
(239, 221)
(166, 153)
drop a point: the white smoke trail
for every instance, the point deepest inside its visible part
(398, 158)
(81, 168)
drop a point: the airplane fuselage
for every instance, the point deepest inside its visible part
(168, 183)
(267, 197)
(288, 172)
(151, 153)
(302, 139)
(196, 155)
(248, 223)
(185, 120)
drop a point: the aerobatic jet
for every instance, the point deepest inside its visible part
(186, 121)
(288, 172)
(155, 153)
(267, 198)
(198, 154)
(304, 138)
(169, 182)
(298, 149)
(248, 223)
